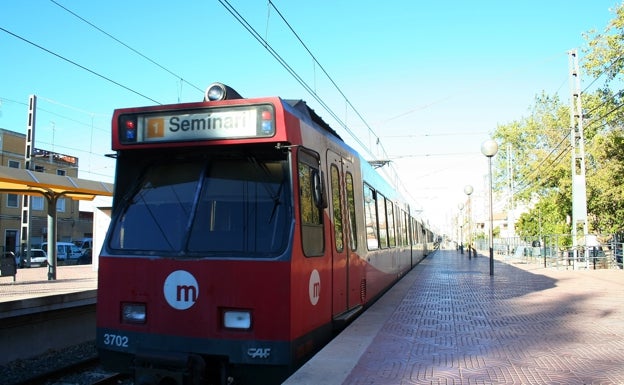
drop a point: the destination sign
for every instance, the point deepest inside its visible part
(215, 123)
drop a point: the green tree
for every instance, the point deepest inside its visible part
(604, 117)
(540, 163)
(605, 192)
(548, 216)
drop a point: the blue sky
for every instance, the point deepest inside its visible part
(431, 79)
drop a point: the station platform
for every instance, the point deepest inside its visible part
(449, 322)
(32, 292)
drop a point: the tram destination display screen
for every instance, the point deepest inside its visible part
(201, 124)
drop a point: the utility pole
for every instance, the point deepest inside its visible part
(28, 165)
(511, 220)
(579, 190)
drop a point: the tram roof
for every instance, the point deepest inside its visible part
(27, 182)
(306, 111)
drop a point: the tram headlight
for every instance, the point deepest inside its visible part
(133, 313)
(237, 319)
(219, 91)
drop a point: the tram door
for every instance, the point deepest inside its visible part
(343, 241)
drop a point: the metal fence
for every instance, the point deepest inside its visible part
(556, 251)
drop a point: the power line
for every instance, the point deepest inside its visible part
(127, 46)
(604, 71)
(327, 74)
(309, 89)
(13, 101)
(82, 123)
(610, 99)
(417, 109)
(73, 120)
(78, 65)
(438, 134)
(526, 181)
(70, 107)
(288, 68)
(607, 122)
(449, 154)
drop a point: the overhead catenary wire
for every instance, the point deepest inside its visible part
(611, 98)
(77, 65)
(288, 68)
(319, 66)
(527, 180)
(234, 12)
(69, 119)
(428, 134)
(538, 170)
(312, 91)
(128, 46)
(605, 70)
(336, 86)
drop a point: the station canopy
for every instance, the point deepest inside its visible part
(27, 182)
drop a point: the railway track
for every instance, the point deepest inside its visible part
(46, 338)
(85, 372)
(35, 326)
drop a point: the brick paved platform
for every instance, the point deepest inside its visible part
(32, 292)
(33, 282)
(449, 322)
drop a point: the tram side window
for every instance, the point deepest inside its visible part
(382, 221)
(336, 208)
(399, 224)
(370, 212)
(415, 230)
(311, 212)
(351, 210)
(391, 225)
(418, 233)
(405, 228)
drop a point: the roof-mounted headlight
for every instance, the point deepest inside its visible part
(219, 91)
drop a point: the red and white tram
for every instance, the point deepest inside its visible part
(245, 232)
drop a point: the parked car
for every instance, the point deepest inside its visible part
(85, 258)
(84, 244)
(38, 257)
(64, 250)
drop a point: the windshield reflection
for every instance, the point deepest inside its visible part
(234, 206)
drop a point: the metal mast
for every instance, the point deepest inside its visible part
(511, 224)
(579, 191)
(28, 165)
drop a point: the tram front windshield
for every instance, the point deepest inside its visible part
(227, 206)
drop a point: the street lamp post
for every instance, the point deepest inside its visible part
(461, 227)
(468, 191)
(489, 148)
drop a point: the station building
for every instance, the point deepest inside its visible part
(72, 224)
